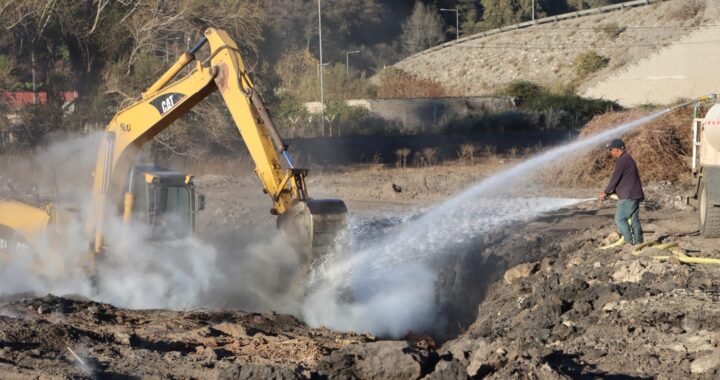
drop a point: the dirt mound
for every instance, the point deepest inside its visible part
(662, 149)
(589, 313)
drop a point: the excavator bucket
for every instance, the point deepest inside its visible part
(317, 227)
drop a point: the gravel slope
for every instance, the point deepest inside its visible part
(546, 54)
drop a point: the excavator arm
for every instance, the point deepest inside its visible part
(166, 101)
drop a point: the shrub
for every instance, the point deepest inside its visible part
(7, 66)
(348, 120)
(291, 116)
(613, 30)
(490, 150)
(395, 83)
(430, 155)
(561, 108)
(588, 63)
(661, 149)
(467, 152)
(402, 155)
(687, 10)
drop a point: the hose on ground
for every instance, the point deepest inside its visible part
(677, 254)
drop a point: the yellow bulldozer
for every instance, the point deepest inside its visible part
(151, 196)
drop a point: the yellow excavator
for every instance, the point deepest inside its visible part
(164, 200)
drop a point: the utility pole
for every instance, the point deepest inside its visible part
(533, 10)
(347, 61)
(322, 100)
(32, 68)
(457, 21)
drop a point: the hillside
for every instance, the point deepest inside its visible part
(684, 70)
(546, 53)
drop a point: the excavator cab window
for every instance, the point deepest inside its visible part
(170, 211)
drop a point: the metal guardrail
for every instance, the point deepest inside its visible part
(544, 20)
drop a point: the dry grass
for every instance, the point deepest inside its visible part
(398, 84)
(402, 156)
(430, 155)
(661, 149)
(688, 10)
(490, 150)
(467, 153)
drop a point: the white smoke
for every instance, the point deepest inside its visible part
(392, 282)
(256, 272)
(134, 273)
(389, 302)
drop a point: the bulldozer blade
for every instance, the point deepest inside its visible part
(316, 227)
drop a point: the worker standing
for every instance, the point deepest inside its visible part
(625, 183)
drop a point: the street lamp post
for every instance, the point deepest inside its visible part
(457, 21)
(533, 10)
(347, 61)
(322, 100)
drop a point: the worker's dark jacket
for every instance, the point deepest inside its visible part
(625, 181)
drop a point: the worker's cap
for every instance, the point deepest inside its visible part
(617, 143)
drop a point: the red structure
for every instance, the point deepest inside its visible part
(19, 99)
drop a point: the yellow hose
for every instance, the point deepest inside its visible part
(677, 253)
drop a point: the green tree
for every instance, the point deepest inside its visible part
(587, 4)
(499, 13)
(7, 65)
(470, 16)
(339, 86)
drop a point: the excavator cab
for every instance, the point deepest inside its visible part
(165, 201)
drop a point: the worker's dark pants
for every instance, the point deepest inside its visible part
(629, 210)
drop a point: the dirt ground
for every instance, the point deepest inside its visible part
(534, 300)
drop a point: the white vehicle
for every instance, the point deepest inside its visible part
(706, 170)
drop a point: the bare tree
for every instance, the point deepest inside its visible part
(145, 28)
(422, 30)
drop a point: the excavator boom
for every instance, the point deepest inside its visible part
(313, 223)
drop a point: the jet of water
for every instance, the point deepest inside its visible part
(392, 280)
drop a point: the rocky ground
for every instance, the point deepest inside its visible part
(577, 311)
(536, 300)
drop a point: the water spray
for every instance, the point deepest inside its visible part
(586, 200)
(393, 274)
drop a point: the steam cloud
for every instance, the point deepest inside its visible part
(138, 273)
